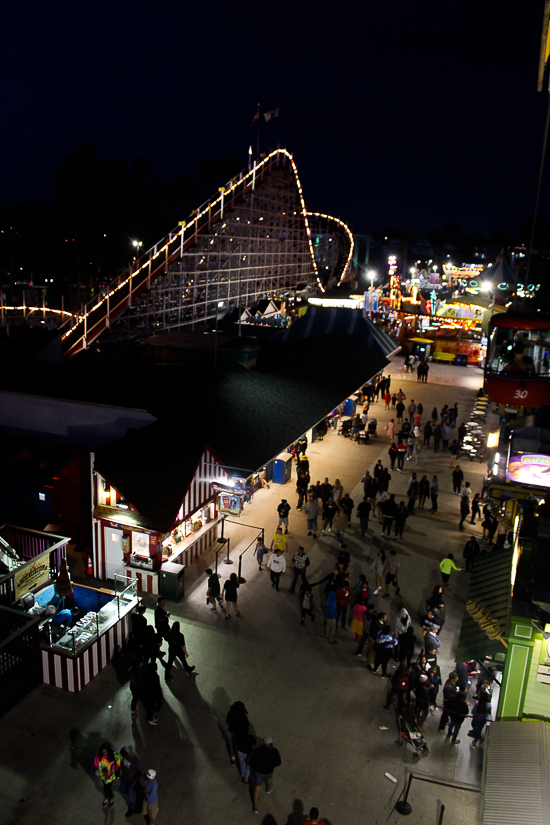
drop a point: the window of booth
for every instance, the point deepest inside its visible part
(187, 529)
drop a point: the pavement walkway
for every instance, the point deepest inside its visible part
(320, 704)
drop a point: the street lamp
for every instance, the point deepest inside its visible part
(372, 276)
(219, 305)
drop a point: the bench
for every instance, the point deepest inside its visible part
(444, 356)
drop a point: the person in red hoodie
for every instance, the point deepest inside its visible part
(313, 818)
(342, 601)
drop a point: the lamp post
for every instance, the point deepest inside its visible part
(219, 305)
(372, 276)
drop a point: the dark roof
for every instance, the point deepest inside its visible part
(26, 468)
(490, 584)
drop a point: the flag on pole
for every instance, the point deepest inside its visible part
(545, 45)
(273, 115)
(255, 118)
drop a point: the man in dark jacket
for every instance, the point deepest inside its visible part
(450, 689)
(471, 551)
(347, 505)
(263, 762)
(162, 625)
(389, 511)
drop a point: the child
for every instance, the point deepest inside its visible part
(356, 624)
(307, 604)
(259, 551)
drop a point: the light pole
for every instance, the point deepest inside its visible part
(372, 275)
(219, 305)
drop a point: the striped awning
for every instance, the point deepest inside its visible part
(516, 788)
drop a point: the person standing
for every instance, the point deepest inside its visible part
(476, 507)
(312, 512)
(401, 517)
(363, 513)
(471, 551)
(455, 449)
(177, 650)
(390, 429)
(339, 524)
(446, 566)
(428, 432)
(138, 628)
(464, 504)
(347, 504)
(450, 689)
(379, 566)
(131, 770)
(357, 623)
(136, 685)
(480, 714)
(422, 696)
(230, 587)
(162, 625)
(331, 614)
(150, 796)
(213, 591)
(263, 762)
(458, 478)
(392, 452)
(401, 453)
(277, 565)
(434, 493)
(406, 645)
(423, 491)
(438, 434)
(445, 436)
(337, 491)
(342, 601)
(107, 768)
(300, 563)
(283, 510)
(325, 490)
(458, 711)
(399, 410)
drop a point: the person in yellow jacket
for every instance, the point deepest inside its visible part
(446, 566)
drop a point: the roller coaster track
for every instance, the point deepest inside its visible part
(180, 280)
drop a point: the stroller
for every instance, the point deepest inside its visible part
(345, 428)
(408, 732)
(371, 427)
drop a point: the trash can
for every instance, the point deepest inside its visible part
(349, 406)
(282, 468)
(172, 581)
(461, 359)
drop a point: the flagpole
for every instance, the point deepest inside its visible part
(258, 137)
(278, 123)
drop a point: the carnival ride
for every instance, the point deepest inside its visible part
(517, 362)
(253, 240)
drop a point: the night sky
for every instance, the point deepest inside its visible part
(398, 114)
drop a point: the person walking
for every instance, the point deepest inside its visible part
(480, 714)
(342, 601)
(136, 685)
(399, 410)
(259, 551)
(438, 434)
(357, 623)
(213, 591)
(279, 541)
(337, 491)
(385, 642)
(423, 491)
(107, 767)
(445, 436)
(302, 484)
(392, 574)
(277, 566)
(390, 430)
(376, 624)
(263, 762)
(401, 517)
(470, 553)
(368, 617)
(130, 773)
(150, 796)
(283, 510)
(446, 566)
(237, 725)
(152, 696)
(347, 504)
(458, 711)
(464, 504)
(230, 587)
(389, 511)
(162, 625)
(330, 508)
(331, 613)
(312, 512)
(307, 604)
(392, 452)
(339, 524)
(244, 747)
(434, 493)
(363, 513)
(300, 563)
(428, 432)
(412, 493)
(455, 449)
(379, 569)
(177, 650)
(458, 479)
(401, 454)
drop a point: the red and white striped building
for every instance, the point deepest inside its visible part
(129, 545)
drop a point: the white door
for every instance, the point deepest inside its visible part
(113, 552)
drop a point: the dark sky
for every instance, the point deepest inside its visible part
(397, 113)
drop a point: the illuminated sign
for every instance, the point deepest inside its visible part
(529, 468)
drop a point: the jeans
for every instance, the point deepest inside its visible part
(301, 496)
(275, 579)
(434, 502)
(327, 523)
(297, 573)
(400, 461)
(364, 522)
(129, 789)
(454, 730)
(244, 767)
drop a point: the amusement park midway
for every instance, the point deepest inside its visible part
(320, 704)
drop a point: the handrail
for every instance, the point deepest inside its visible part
(139, 276)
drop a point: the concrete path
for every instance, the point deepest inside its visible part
(320, 704)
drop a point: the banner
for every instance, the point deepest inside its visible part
(32, 575)
(231, 505)
(529, 468)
